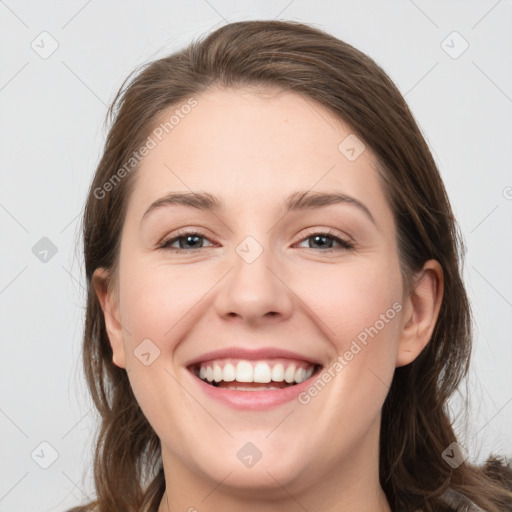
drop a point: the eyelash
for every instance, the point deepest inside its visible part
(346, 245)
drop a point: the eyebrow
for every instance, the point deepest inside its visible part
(300, 200)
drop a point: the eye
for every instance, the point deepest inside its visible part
(325, 241)
(193, 240)
(186, 240)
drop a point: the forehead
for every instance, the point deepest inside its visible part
(254, 145)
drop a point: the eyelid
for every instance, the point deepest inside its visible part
(327, 232)
(181, 234)
(346, 244)
(344, 237)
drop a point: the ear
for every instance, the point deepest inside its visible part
(110, 306)
(421, 312)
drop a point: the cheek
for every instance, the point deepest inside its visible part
(360, 312)
(352, 300)
(157, 298)
(155, 307)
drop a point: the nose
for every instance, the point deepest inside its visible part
(255, 292)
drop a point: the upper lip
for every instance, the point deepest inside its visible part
(252, 354)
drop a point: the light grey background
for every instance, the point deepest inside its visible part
(51, 133)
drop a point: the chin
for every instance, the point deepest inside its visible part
(248, 469)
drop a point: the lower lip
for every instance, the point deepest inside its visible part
(254, 400)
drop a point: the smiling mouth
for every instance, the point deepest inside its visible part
(249, 375)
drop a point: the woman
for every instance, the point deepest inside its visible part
(276, 316)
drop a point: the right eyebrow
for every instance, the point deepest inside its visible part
(199, 200)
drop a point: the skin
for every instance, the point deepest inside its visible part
(252, 148)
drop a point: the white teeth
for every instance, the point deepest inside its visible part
(278, 373)
(244, 372)
(217, 373)
(289, 374)
(229, 373)
(299, 375)
(262, 373)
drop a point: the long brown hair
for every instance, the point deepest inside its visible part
(292, 56)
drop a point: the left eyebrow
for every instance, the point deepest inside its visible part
(300, 200)
(198, 200)
(303, 200)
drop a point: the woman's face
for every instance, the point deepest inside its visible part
(253, 289)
